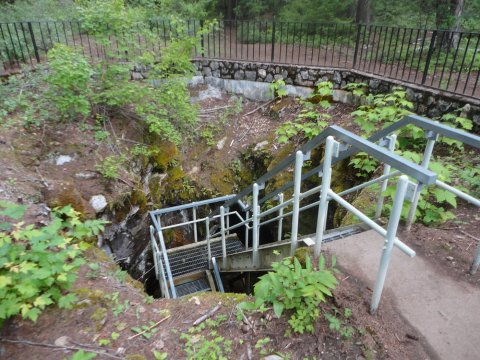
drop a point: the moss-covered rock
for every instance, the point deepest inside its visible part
(163, 155)
(365, 202)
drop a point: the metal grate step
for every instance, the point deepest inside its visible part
(195, 258)
(192, 287)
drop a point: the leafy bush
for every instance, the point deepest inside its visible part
(37, 266)
(110, 166)
(292, 286)
(69, 80)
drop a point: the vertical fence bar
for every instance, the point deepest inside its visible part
(386, 170)
(222, 233)
(280, 218)
(429, 56)
(227, 220)
(463, 62)
(454, 60)
(471, 65)
(323, 205)
(401, 53)
(297, 183)
(34, 43)
(389, 241)
(273, 41)
(255, 235)
(357, 43)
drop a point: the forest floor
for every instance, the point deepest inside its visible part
(112, 307)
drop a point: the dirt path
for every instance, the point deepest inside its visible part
(442, 309)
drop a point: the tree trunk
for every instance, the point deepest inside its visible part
(458, 20)
(362, 14)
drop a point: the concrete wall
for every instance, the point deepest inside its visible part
(428, 102)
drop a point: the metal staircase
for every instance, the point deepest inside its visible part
(238, 219)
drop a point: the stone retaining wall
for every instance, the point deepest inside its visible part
(428, 102)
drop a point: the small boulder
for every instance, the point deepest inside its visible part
(63, 159)
(98, 203)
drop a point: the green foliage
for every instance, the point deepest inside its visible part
(69, 80)
(110, 167)
(310, 122)
(277, 88)
(37, 266)
(336, 323)
(292, 286)
(357, 89)
(209, 347)
(83, 355)
(364, 164)
(382, 110)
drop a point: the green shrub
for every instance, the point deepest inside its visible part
(38, 265)
(292, 286)
(70, 81)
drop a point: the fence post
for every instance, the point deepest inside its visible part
(273, 40)
(34, 43)
(357, 45)
(202, 40)
(429, 56)
(255, 236)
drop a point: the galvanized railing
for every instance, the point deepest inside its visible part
(339, 144)
(439, 59)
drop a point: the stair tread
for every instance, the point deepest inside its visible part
(192, 259)
(192, 287)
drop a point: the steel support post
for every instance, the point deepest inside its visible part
(386, 170)
(255, 237)
(207, 234)
(227, 220)
(323, 205)
(247, 214)
(195, 234)
(476, 261)
(222, 231)
(280, 218)
(297, 183)
(427, 155)
(167, 264)
(389, 241)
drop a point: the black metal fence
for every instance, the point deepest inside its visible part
(438, 59)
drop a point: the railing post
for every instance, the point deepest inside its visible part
(227, 220)
(427, 155)
(273, 40)
(476, 261)
(255, 240)
(247, 214)
(323, 205)
(34, 43)
(209, 250)
(167, 264)
(222, 231)
(386, 170)
(195, 233)
(431, 48)
(280, 218)
(389, 241)
(297, 183)
(357, 46)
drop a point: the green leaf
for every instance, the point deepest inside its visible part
(278, 308)
(12, 210)
(82, 355)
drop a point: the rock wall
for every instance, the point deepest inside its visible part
(428, 102)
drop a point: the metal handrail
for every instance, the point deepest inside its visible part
(334, 152)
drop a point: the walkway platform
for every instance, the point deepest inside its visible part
(445, 311)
